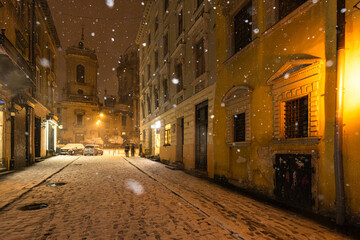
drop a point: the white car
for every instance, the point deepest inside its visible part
(93, 149)
(72, 149)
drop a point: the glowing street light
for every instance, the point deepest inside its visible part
(101, 115)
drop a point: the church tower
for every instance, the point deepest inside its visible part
(79, 110)
(81, 73)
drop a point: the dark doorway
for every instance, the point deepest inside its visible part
(37, 137)
(180, 139)
(79, 138)
(201, 136)
(293, 179)
(51, 146)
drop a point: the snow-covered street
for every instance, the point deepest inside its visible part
(134, 198)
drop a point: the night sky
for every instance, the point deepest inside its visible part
(109, 29)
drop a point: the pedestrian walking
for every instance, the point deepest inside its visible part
(127, 148)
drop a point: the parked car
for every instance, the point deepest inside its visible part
(72, 149)
(93, 149)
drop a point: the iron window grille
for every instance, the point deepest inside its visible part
(296, 118)
(239, 127)
(243, 27)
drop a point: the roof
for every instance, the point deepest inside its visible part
(50, 22)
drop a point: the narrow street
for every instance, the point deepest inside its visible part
(134, 198)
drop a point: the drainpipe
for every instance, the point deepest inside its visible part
(338, 139)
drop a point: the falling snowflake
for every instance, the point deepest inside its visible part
(134, 186)
(175, 81)
(44, 62)
(109, 3)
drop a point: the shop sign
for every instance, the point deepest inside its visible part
(2, 105)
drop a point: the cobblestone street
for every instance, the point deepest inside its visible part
(134, 198)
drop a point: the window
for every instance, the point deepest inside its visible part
(149, 39)
(198, 3)
(297, 102)
(156, 96)
(156, 23)
(237, 103)
(166, 90)
(107, 123)
(242, 27)
(123, 121)
(148, 104)
(200, 58)
(79, 119)
(179, 74)
(148, 72)
(166, 44)
(296, 118)
(156, 59)
(180, 22)
(166, 5)
(143, 108)
(167, 134)
(287, 6)
(80, 74)
(239, 127)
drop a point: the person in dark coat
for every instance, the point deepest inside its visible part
(127, 148)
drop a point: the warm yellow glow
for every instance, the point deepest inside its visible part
(101, 114)
(167, 134)
(98, 122)
(352, 85)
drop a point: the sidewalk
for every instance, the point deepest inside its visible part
(247, 217)
(13, 185)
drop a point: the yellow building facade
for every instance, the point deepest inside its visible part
(276, 94)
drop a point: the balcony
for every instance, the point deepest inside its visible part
(16, 73)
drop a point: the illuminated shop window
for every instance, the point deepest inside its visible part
(167, 134)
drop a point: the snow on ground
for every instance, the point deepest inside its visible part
(109, 198)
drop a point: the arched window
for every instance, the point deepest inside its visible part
(80, 74)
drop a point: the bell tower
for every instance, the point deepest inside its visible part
(81, 73)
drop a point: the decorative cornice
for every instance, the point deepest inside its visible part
(144, 21)
(236, 91)
(291, 66)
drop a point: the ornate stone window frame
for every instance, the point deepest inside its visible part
(237, 101)
(295, 79)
